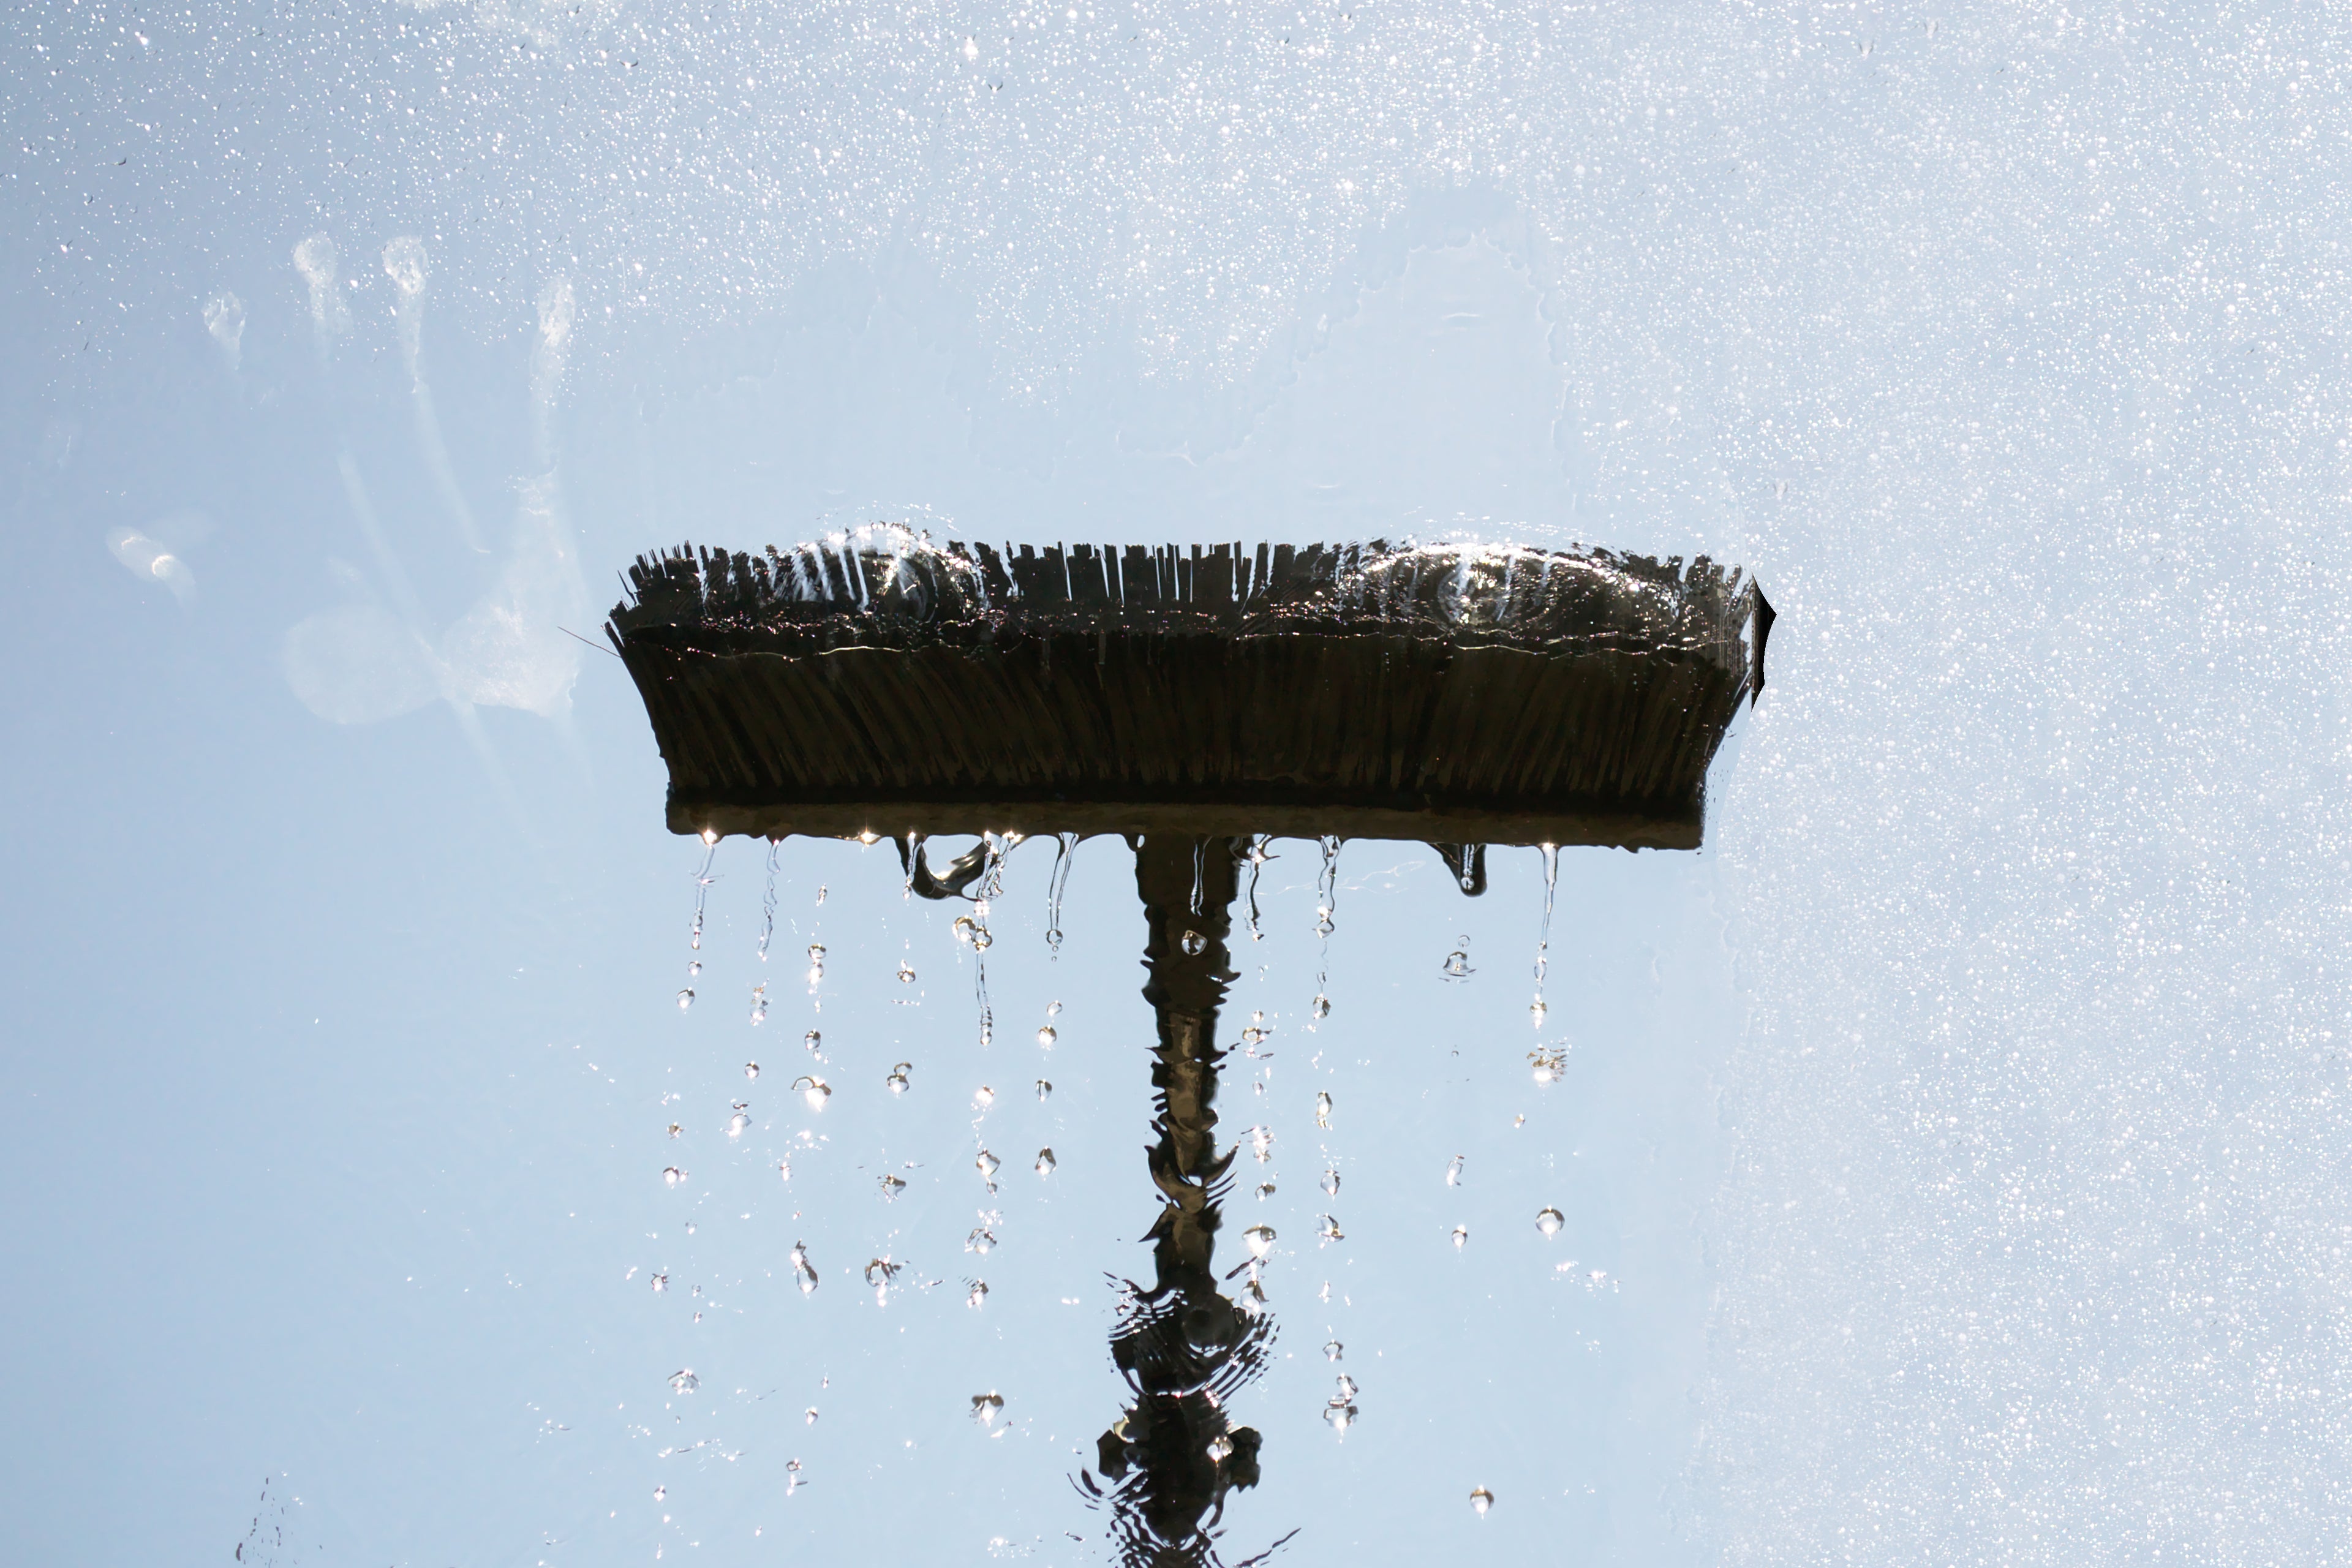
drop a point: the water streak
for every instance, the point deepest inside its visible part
(768, 900)
(1543, 940)
(1064, 846)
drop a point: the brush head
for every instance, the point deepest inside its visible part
(883, 683)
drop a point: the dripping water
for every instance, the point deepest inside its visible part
(1200, 854)
(1065, 845)
(1257, 859)
(768, 900)
(1326, 897)
(702, 881)
(1543, 938)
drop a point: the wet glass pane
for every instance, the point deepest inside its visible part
(420, 1154)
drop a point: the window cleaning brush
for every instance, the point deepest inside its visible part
(879, 684)
(882, 683)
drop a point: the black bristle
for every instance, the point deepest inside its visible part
(1462, 694)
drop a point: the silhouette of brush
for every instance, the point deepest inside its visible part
(883, 683)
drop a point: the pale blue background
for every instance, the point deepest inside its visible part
(1959, 1136)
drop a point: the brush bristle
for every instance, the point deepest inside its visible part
(884, 682)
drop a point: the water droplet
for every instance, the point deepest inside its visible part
(684, 1381)
(1333, 1350)
(693, 969)
(1262, 1143)
(751, 1070)
(1457, 965)
(1481, 1500)
(1195, 944)
(758, 1004)
(1454, 1171)
(1536, 1011)
(1340, 1414)
(1265, 1191)
(1331, 1184)
(1461, 1235)
(906, 973)
(690, 1230)
(816, 1091)
(981, 941)
(1550, 1064)
(986, 1407)
(673, 1176)
(1329, 1229)
(1549, 1221)
(988, 1166)
(804, 1271)
(674, 1129)
(1221, 1448)
(1044, 1090)
(1322, 1110)
(965, 926)
(736, 1123)
(1052, 1009)
(978, 1296)
(686, 998)
(1259, 1238)
(981, 1241)
(811, 1421)
(891, 1187)
(814, 1041)
(1044, 1162)
(879, 1274)
(1346, 1386)
(984, 1098)
(898, 1079)
(660, 1492)
(816, 953)
(1046, 1037)
(661, 1283)
(1322, 1007)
